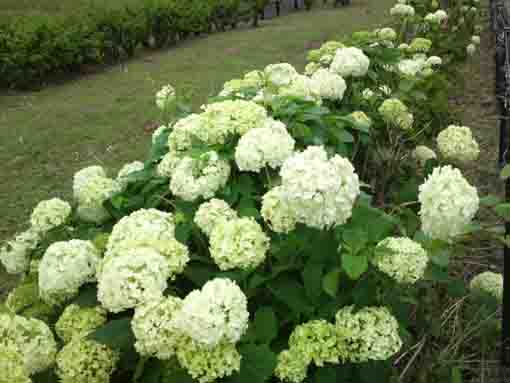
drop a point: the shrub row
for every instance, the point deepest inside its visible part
(41, 46)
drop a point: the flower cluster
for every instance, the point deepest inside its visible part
(325, 53)
(350, 62)
(448, 203)
(165, 97)
(488, 283)
(12, 367)
(211, 213)
(402, 10)
(437, 17)
(369, 334)
(269, 145)
(456, 143)
(251, 80)
(280, 75)
(78, 321)
(49, 214)
(393, 111)
(31, 338)
(328, 85)
(315, 191)
(420, 45)
(126, 170)
(15, 255)
(401, 258)
(422, 154)
(65, 267)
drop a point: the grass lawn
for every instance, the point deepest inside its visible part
(48, 135)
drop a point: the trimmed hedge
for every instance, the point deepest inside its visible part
(33, 48)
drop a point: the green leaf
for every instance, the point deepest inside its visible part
(456, 375)
(503, 210)
(87, 296)
(331, 282)
(505, 173)
(152, 370)
(325, 375)
(312, 277)
(441, 258)
(354, 265)
(355, 240)
(291, 293)
(490, 200)
(46, 376)
(257, 364)
(265, 324)
(116, 334)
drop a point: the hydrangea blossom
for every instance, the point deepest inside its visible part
(199, 178)
(154, 328)
(437, 17)
(277, 211)
(350, 62)
(215, 314)
(184, 131)
(448, 203)
(12, 367)
(31, 338)
(321, 192)
(65, 267)
(210, 213)
(269, 145)
(402, 10)
(238, 243)
(411, 67)
(488, 283)
(127, 169)
(83, 360)
(165, 96)
(146, 228)
(278, 75)
(434, 61)
(292, 366)
(15, 254)
(49, 214)
(393, 111)
(367, 94)
(91, 193)
(420, 45)
(471, 49)
(371, 333)
(208, 364)
(422, 154)
(78, 321)
(82, 177)
(136, 277)
(311, 68)
(401, 258)
(301, 87)
(24, 298)
(361, 118)
(328, 85)
(168, 164)
(475, 40)
(387, 34)
(456, 143)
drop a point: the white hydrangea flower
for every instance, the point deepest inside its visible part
(92, 194)
(78, 321)
(311, 68)
(475, 40)
(210, 213)
(420, 45)
(448, 203)
(157, 132)
(238, 243)
(292, 366)
(65, 267)
(269, 145)
(29, 337)
(302, 87)
(422, 154)
(328, 85)
(403, 47)
(411, 67)
(402, 10)
(456, 143)
(441, 15)
(199, 178)
(326, 59)
(12, 367)
(401, 258)
(183, 133)
(154, 329)
(488, 283)
(49, 214)
(367, 94)
(231, 87)
(393, 111)
(277, 212)
(387, 34)
(15, 254)
(168, 164)
(471, 49)
(82, 177)
(431, 18)
(206, 364)
(434, 61)
(127, 169)
(372, 333)
(215, 314)
(279, 75)
(350, 62)
(321, 192)
(136, 277)
(254, 79)
(84, 360)
(165, 96)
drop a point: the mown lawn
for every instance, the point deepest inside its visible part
(48, 135)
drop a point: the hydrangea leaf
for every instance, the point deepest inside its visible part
(265, 324)
(325, 375)
(331, 282)
(312, 277)
(257, 365)
(116, 334)
(354, 265)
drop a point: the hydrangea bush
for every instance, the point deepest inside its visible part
(283, 233)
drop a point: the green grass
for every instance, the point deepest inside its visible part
(22, 7)
(47, 136)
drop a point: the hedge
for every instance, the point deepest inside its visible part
(35, 48)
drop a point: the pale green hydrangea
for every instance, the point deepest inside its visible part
(165, 97)
(84, 360)
(154, 329)
(168, 164)
(65, 267)
(238, 243)
(210, 213)
(91, 193)
(81, 178)
(278, 75)
(393, 111)
(387, 34)
(24, 299)
(277, 212)
(370, 333)
(126, 170)
(12, 367)
(420, 45)
(456, 143)
(488, 283)
(292, 366)
(78, 321)
(302, 87)
(31, 338)
(350, 62)
(401, 258)
(361, 118)
(50, 214)
(402, 10)
(183, 133)
(15, 254)
(311, 68)
(422, 154)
